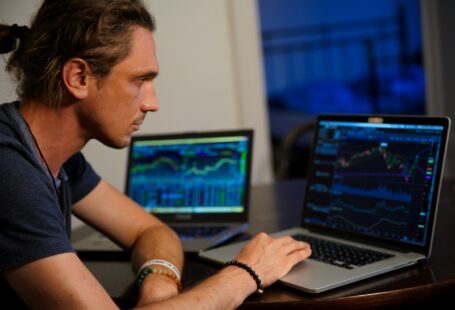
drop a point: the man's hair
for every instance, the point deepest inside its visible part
(98, 31)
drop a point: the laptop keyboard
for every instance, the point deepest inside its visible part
(197, 232)
(341, 255)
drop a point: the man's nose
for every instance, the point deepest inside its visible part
(150, 102)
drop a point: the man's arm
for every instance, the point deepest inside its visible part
(270, 258)
(125, 222)
(58, 282)
(63, 282)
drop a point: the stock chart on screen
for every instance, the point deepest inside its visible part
(374, 178)
(197, 175)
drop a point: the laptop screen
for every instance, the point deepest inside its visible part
(376, 176)
(191, 175)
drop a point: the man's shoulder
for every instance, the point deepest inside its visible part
(13, 148)
(16, 161)
(7, 109)
(8, 124)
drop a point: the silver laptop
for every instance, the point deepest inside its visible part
(198, 183)
(370, 201)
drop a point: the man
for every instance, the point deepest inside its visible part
(86, 70)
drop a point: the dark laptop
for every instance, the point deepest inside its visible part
(198, 183)
(370, 201)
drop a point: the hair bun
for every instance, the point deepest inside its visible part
(19, 32)
(8, 40)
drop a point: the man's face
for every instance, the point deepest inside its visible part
(117, 105)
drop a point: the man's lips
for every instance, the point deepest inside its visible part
(137, 124)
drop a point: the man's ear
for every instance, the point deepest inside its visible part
(77, 76)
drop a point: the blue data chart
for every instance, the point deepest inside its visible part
(206, 176)
(376, 180)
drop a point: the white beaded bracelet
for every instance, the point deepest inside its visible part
(160, 262)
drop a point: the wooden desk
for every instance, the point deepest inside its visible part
(278, 206)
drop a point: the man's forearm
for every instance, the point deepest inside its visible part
(225, 290)
(157, 242)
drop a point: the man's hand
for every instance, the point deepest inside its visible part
(271, 258)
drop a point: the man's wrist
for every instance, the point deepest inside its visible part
(156, 287)
(145, 272)
(250, 271)
(163, 263)
(238, 280)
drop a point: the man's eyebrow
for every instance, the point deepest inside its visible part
(147, 74)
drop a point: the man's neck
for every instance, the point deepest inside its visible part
(56, 133)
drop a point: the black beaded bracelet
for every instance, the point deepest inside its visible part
(254, 275)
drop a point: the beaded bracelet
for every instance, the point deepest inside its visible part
(160, 262)
(254, 275)
(146, 271)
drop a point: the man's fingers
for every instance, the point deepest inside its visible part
(297, 256)
(285, 240)
(294, 246)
